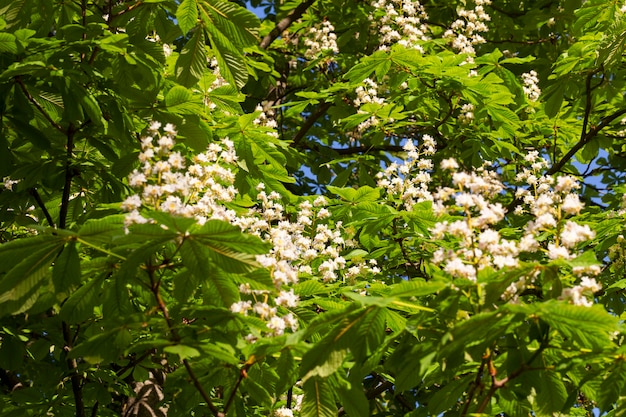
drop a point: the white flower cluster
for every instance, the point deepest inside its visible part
(283, 412)
(479, 245)
(311, 244)
(549, 201)
(167, 183)
(577, 295)
(218, 82)
(367, 93)
(531, 89)
(401, 21)
(467, 113)
(466, 32)
(320, 39)
(266, 118)
(414, 188)
(8, 183)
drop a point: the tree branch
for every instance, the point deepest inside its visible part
(69, 175)
(308, 123)
(285, 23)
(73, 367)
(30, 98)
(155, 289)
(586, 138)
(243, 373)
(33, 191)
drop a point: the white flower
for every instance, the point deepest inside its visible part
(283, 412)
(572, 204)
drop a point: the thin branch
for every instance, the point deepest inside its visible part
(533, 42)
(69, 175)
(475, 384)
(497, 384)
(365, 149)
(285, 23)
(134, 362)
(604, 122)
(308, 123)
(201, 390)
(42, 206)
(30, 98)
(94, 409)
(243, 373)
(155, 288)
(75, 378)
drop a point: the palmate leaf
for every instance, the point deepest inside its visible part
(200, 261)
(230, 28)
(187, 15)
(237, 23)
(8, 43)
(318, 400)
(191, 62)
(361, 331)
(230, 60)
(20, 249)
(79, 307)
(230, 248)
(66, 270)
(29, 273)
(590, 327)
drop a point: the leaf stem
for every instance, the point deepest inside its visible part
(98, 248)
(75, 377)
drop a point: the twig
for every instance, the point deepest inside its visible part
(75, 378)
(308, 123)
(69, 175)
(242, 374)
(285, 23)
(30, 98)
(476, 384)
(42, 206)
(584, 140)
(201, 390)
(496, 384)
(155, 288)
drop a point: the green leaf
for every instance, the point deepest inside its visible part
(416, 288)
(187, 15)
(182, 351)
(318, 399)
(103, 229)
(79, 307)
(353, 399)
(66, 270)
(192, 60)
(229, 58)
(331, 363)
(360, 194)
(551, 393)
(230, 248)
(368, 65)
(287, 369)
(591, 327)
(8, 43)
(29, 273)
(238, 24)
